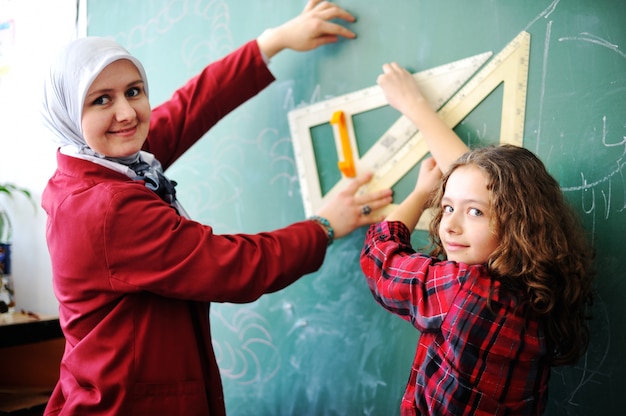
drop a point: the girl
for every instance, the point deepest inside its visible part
(133, 275)
(503, 295)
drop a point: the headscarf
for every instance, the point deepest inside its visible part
(65, 87)
(68, 80)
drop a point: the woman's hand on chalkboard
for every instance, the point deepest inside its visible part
(309, 30)
(347, 210)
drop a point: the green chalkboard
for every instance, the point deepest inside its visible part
(322, 346)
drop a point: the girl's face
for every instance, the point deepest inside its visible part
(466, 230)
(116, 114)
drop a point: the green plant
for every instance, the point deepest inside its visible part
(6, 228)
(7, 293)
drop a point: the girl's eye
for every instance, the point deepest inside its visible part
(475, 212)
(447, 208)
(133, 92)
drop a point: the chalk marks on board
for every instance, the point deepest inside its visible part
(589, 37)
(150, 30)
(616, 173)
(290, 358)
(289, 101)
(217, 14)
(255, 357)
(543, 84)
(198, 50)
(603, 188)
(597, 194)
(544, 14)
(588, 367)
(281, 157)
(220, 183)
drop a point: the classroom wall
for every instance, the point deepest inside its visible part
(31, 31)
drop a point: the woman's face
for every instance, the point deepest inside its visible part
(116, 114)
(466, 229)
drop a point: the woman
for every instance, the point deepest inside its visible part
(133, 275)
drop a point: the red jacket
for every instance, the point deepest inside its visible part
(134, 279)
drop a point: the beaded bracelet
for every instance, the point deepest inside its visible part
(324, 223)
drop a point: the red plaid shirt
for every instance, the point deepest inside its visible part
(470, 360)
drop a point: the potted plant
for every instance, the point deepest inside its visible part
(6, 232)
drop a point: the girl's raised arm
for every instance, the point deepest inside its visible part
(403, 94)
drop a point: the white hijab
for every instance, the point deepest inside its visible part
(65, 88)
(68, 80)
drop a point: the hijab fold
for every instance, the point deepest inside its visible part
(65, 89)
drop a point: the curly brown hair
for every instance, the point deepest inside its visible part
(544, 252)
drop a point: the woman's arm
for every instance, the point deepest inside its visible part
(205, 99)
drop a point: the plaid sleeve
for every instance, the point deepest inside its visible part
(418, 288)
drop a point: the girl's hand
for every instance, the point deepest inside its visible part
(309, 30)
(344, 212)
(429, 177)
(400, 88)
(411, 208)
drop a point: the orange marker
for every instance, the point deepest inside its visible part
(346, 166)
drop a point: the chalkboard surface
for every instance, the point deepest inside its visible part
(322, 346)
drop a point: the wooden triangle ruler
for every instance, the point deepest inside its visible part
(401, 147)
(510, 68)
(438, 85)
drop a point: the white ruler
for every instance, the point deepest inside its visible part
(401, 147)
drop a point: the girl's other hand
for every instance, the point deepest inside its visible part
(429, 177)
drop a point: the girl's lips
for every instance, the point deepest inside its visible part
(454, 246)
